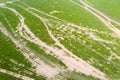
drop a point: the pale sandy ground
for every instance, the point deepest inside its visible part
(15, 74)
(75, 63)
(104, 19)
(72, 61)
(41, 68)
(54, 12)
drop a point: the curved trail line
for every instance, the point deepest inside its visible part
(72, 62)
(104, 19)
(41, 67)
(9, 2)
(73, 25)
(100, 13)
(75, 63)
(76, 26)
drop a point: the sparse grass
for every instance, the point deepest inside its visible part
(80, 44)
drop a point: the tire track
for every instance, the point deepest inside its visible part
(104, 19)
(15, 74)
(72, 63)
(41, 68)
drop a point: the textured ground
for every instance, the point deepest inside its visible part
(59, 40)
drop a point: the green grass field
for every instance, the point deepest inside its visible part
(59, 40)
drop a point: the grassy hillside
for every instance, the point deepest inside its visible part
(59, 40)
